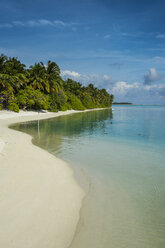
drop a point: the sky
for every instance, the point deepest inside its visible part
(114, 44)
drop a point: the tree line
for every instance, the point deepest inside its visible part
(41, 87)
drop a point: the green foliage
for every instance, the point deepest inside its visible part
(87, 101)
(53, 105)
(12, 74)
(64, 108)
(13, 107)
(73, 87)
(30, 98)
(60, 99)
(74, 102)
(69, 107)
(7, 98)
(41, 87)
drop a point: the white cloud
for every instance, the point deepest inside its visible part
(72, 74)
(106, 77)
(59, 22)
(100, 81)
(39, 23)
(138, 93)
(74, 29)
(32, 23)
(159, 60)
(18, 23)
(160, 36)
(122, 88)
(107, 36)
(152, 76)
(159, 89)
(6, 25)
(45, 22)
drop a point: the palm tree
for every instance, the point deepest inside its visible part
(12, 74)
(38, 77)
(53, 75)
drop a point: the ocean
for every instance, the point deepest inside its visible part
(118, 157)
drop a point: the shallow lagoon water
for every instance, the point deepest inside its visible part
(119, 158)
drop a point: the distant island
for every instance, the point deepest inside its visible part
(122, 103)
(41, 87)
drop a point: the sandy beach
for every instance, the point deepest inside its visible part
(39, 198)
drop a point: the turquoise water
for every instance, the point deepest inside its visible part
(119, 159)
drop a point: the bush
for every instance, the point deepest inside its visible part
(87, 102)
(53, 106)
(13, 107)
(69, 107)
(59, 101)
(30, 98)
(7, 100)
(63, 108)
(6, 97)
(74, 102)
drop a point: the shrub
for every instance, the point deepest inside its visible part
(7, 100)
(87, 102)
(30, 98)
(58, 101)
(68, 106)
(74, 102)
(53, 106)
(6, 97)
(13, 107)
(64, 108)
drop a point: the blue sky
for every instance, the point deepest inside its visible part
(115, 44)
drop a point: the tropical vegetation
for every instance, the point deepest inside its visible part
(41, 87)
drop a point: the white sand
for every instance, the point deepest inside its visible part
(39, 197)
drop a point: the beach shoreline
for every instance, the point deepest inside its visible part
(40, 197)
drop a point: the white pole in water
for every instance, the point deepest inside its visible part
(38, 126)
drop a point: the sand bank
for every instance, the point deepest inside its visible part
(39, 197)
